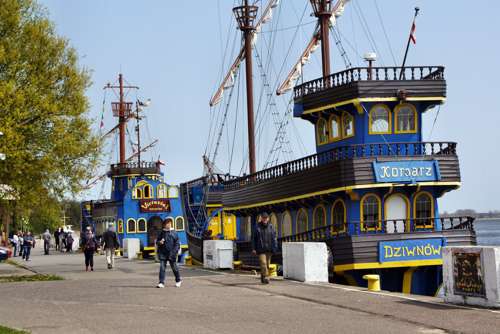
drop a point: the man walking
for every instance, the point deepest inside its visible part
(89, 245)
(15, 243)
(56, 237)
(264, 244)
(28, 243)
(168, 246)
(110, 243)
(46, 241)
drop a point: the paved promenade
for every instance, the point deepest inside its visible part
(124, 300)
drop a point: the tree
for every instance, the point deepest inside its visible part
(50, 147)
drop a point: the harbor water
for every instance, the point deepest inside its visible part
(487, 231)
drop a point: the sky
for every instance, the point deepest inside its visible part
(176, 52)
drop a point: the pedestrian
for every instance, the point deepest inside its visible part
(110, 243)
(56, 237)
(62, 240)
(46, 241)
(69, 242)
(89, 245)
(168, 247)
(21, 243)
(28, 243)
(15, 243)
(265, 244)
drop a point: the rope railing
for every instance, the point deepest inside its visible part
(407, 149)
(369, 74)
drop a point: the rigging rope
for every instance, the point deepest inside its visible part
(385, 32)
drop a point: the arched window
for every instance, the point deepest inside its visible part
(347, 125)
(173, 192)
(335, 128)
(379, 119)
(179, 223)
(319, 217)
(142, 189)
(301, 221)
(274, 221)
(120, 226)
(286, 224)
(370, 212)
(423, 207)
(131, 228)
(161, 190)
(406, 118)
(141, 225)
(137, 193)
(322, 131)
(246, 228)
(338, 216)
(148, 191)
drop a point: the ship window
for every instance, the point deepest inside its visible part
(406, 118)
(141, 226)
(338, 216)
(246, 228)
(370, 212)
(274, 221)
(179, 223)
(120, 226)
(334, 128)
(148, 193)
(347, 125)
(319, 219)
(301, 222)
(286, 224)
(322, 131)
(380, 120)
(173, 192)
(161, 190)
(131, 226)
(423, 207)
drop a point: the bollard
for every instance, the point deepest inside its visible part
(273, 270)
(188, 260)
(373, 282)
(237, 265)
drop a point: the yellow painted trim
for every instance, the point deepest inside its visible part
(346, 189)
(275, 224)
(415, 207)
(322, 207)
(120, 226)
(407, 277)
(135, 226)
(346, 114)
(396, 112)
(408, 204)
(396, 264)
(318, 135)
(184, 247)
(149, 248)
(379, 224)
(330, 128)
(339, 200)
(304, 211)
(287, 212)
(145, 226)
(356, 102)
(183, 223)
(389, 117)
(213, 205)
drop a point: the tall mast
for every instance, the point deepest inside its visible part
(323, 11)
(245, 16)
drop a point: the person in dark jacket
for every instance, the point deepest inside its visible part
(168, 247)
(110, 243)
(89, 246)
(264, 244)
(28, 243)
(56, 237)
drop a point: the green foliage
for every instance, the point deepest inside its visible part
(7, 330)
(50, 147)
(30, 278)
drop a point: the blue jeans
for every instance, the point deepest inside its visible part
(15, 250)
(173, 265)
(26, 252)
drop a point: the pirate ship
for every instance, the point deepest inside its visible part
(140, 198)
(371, 190)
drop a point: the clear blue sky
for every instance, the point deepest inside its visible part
(172, 50)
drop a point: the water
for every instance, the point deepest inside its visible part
(487, 231)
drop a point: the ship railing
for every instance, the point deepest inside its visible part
(369, 74)
(402, 149)
(133, 165)
(373, 227)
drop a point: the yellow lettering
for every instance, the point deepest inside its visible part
(436, 251)
(388, 251)
(410, 251)
(397, 252)
(428, 250)
(420, 250)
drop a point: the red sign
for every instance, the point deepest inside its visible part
(154, 205)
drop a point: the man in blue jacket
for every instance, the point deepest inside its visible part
(265, 244)
(168, 247)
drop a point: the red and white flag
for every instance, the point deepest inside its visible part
(412, 33)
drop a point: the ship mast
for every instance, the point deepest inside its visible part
(245, 16)
(323, 11)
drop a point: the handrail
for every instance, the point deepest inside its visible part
(130, 165)
(343, 153)
(383, 227)
(369, 74)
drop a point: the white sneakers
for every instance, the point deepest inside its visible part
(178, 284)
(160, 285)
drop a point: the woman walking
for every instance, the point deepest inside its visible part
(89, 245)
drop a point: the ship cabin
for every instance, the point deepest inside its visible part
(371, 190)
(140, 202)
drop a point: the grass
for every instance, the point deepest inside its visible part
(29, 278)
(6, 330)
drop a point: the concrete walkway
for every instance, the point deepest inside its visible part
(124, 300)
